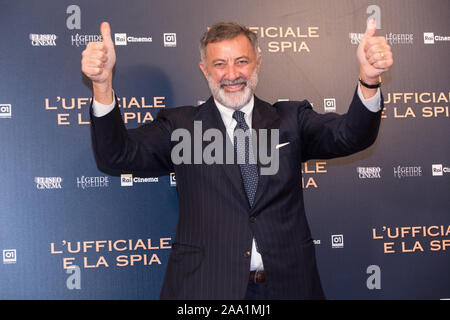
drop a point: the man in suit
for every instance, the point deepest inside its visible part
(240, 233)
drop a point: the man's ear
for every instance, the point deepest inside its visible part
(258, 61)
(203, 68)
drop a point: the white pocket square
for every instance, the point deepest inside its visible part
(278, 146)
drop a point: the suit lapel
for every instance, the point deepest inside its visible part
(211, 119)
(264, 117)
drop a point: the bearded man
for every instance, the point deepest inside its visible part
(241, 234)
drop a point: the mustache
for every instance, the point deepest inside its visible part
(236, 81)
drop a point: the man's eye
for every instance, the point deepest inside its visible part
(242, 62)
(219, 65)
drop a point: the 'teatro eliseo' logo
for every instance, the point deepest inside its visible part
(221, 151)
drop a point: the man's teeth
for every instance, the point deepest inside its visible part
(233, 85)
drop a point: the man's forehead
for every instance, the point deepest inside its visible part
(239, 46)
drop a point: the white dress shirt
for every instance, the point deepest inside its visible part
(373, 104)
(230, 124)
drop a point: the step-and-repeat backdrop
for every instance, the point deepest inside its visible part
(380, 218)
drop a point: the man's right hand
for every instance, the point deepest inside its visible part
(97, 63)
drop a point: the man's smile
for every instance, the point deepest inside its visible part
(233, 87)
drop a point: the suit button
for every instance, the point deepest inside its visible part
(247, 254)
(252, 219)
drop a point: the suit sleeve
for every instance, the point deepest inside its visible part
(330, 135)
(144, 151)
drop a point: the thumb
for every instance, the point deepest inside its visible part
(105, 31)
(371, 28)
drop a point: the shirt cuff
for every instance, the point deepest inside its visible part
(373, 103)
(100, 109)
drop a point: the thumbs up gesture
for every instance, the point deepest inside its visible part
(97, 63)
(374, 55)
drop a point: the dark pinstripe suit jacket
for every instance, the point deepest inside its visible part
(210, 254)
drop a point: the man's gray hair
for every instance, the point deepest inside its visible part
(226, 31)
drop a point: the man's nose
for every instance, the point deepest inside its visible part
(232, 72)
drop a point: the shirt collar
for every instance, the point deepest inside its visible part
(227, 113)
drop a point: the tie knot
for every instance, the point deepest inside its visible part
(239, 116)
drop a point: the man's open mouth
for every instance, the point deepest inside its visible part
(235, 85)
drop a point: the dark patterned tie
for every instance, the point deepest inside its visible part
(249, 171)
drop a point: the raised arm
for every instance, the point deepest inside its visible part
(332, 135)
(144, 151)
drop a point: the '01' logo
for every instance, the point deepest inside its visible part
(337, 241)
(5, 111)
(170, 39)
(9, 256)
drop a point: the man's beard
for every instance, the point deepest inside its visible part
(237, 99)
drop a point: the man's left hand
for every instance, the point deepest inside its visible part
(374, 55)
